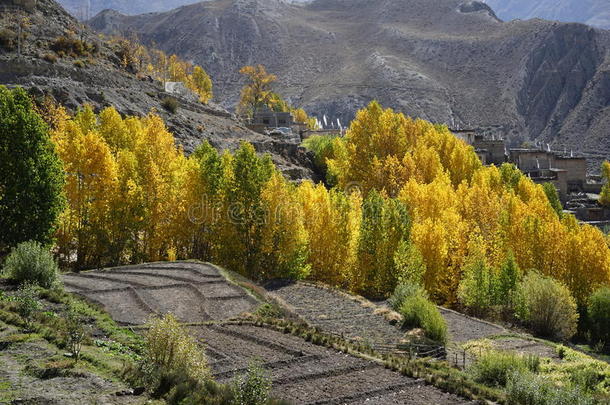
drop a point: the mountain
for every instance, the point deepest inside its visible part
(100, 80)
(591, 12)
(84, 9)
(448, 61)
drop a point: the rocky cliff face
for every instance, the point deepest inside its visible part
(100, 81)
(449, 61)
(591, 12)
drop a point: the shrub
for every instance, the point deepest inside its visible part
(404, 291)
(68, 45)
(170, 348)
(524, 388)
(8, 39)
(598, 312)
(49, 57)
(30, 262)
(170, 104)
(493, 368)
(476, 291)
(252, 388)
(418, 312)
(547, 307)
(75, 335)
(27, 303)
(79, 64)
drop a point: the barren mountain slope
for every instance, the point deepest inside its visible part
(100, 80)
(591, 12)
(448, 61)
(82, 8)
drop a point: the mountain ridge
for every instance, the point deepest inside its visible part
(448, 61)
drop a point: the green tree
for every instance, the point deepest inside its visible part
(476, 291)
(604, 198)
(507, 283)
(598, 311)
(553, 197)
(31, 174)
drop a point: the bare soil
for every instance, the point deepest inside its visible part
(194, 292)
(309, 374)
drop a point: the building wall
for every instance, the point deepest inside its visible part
(576, 167)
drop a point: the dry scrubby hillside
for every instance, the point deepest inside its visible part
(450, 61)
(98, 79)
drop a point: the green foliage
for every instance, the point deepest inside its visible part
(322, 148)
(170, 104)
(253, 387)
(553, 197)
(409, 263)
(384, 228)
(525, 388)
(418, 312)
(27, 303)
(547, 307)
(477, 288)
(31, 262)
(75, 335)
(404, 291)
(507, 283)
(598, 312)
(494, 368)
(32, 178)
(511, 175)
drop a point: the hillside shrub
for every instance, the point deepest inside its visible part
(27, 303)
(50, 57)
(477, 288)
(525, 388)
(493, 368)
(402, 292)
(598, 312)
(71, 46)
(8, 39)
(169, 349)
(547, 307)
(75, 335)
(30, 262)
(418, 312)
(253, 387)
(170, 104)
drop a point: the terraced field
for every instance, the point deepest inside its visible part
(309, 374)
(193, 292)
(302, 372)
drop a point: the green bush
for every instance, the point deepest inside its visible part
(477, 288)
(30, 262)
(170, 104)
(493, 368)
(598, 312)
(404, 291)
(418, 312)
(253, 387)
(27, 303)
(547, 307)
(524, 388)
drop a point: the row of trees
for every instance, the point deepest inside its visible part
(413, 204)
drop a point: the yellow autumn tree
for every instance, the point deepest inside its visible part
(257, 92)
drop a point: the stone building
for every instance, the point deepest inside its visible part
(490, 150)
(272, 119)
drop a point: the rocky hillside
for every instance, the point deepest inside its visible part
(83, 9)
(449, 61)
(99, 79)
(591, 12)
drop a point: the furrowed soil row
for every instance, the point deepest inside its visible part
(346, 399)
